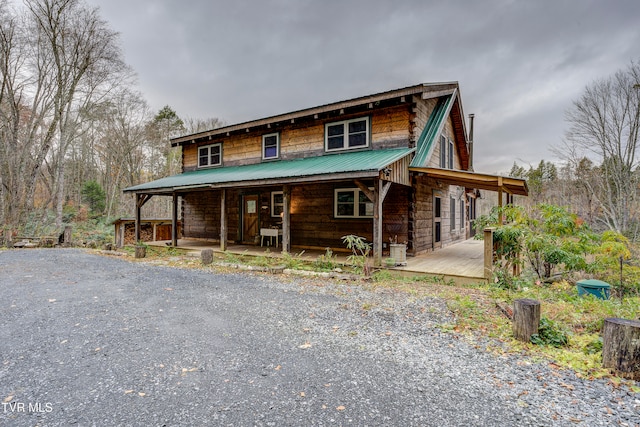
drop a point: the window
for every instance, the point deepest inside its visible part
(352, 203)
(277, 203)
(450, 154)
(443, 152)
(270, 146)
(462, 212)
(210, 155)
(347, 134)
(452, 213)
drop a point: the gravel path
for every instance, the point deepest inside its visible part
(92, 340)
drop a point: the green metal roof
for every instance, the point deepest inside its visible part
(431, 131)
(352, 164)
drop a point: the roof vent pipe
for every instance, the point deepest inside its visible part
(471, 116)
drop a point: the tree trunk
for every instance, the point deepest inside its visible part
(207, 256)
(621, 347)
(526, 318)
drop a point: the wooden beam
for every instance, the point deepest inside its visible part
(377, 222)
(223, 219)
(367, 192)
(174, 221)
(286, 219)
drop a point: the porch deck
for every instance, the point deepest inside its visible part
(462, 262)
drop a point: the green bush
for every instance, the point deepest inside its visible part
(550, 334)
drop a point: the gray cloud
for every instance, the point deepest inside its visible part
(519, 63)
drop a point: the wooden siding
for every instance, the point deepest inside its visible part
(312, 215)
(390, 128)
(421, 218)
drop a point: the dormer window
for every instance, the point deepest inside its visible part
(270, 146)
(210, 155)
(347, 134)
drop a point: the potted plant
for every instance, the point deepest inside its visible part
(390, 262)
(398, 251)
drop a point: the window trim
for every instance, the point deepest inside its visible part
(264, 137)
(208, 147)
(451, 155)
(274, 204)
(356, 202)
(345, 124)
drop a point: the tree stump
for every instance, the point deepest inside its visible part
(621, 347)
(526, 318)
(141, 251)
(207, 256)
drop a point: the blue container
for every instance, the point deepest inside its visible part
(598, 288)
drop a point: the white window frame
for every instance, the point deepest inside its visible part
(452, 214)
(264, 137)
(208, 147)
(451, 155)
(356, 203)
(275, 214)
(443, 151)
(345, 127)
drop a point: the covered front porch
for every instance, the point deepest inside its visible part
(461, 262)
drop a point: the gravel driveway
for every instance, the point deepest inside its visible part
(92, 340)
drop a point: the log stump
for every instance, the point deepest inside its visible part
(206, 255)
(141, 251)
(621, 347)
(526, 318)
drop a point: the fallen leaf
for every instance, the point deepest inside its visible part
(277, 368)
(141, 394)
(305, 345)
(8, 399)
(128, 391)
(324, 406)
(341, 408)
(302, 394)
(97, 349)
(567, 386)
(168, 289)
(52, 300)
(63, 341)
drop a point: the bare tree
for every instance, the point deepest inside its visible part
(604, 126)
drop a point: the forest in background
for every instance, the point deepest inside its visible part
(75, 131)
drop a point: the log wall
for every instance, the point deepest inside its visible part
(390, 128)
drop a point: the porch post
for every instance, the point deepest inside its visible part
(286, 217)
(223, 219)
(174, 220)
(488, 253)
(377, 223)
(499, 200)
(139, 198)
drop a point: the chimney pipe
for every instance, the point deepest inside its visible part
(471, 116)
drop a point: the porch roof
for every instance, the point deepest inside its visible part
(357, 164)
(481, 181)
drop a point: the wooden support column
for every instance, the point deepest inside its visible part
(141, 199)
(174, 221)
(488, 253)
(381, 188)
(499, 200)
(223, 220)
(286, 219)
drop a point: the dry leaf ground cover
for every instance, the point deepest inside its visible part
(94, 340)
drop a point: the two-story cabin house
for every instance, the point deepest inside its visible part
(395, 165)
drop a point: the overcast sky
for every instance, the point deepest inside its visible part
(520, 64)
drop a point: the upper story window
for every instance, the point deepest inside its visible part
(210, 155)
(346, 135)
(270, 146)
(447, 150)
(352, 203)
